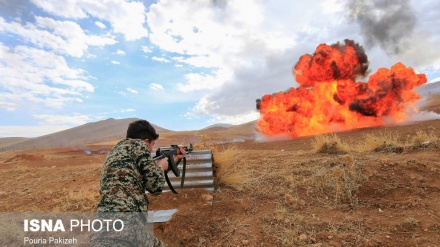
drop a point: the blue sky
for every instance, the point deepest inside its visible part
(184, 65)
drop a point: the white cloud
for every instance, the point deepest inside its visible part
(120, 52)
(332, 6)
(146, 49)
(247, 48)
(127, 18)
(234, 36)
(175, 27)
(236, 119)
(160, 59)
(130, 90)
(68, 9)
(202, 108)
(198, 81)
(8, 105)
(421, 56)
(29, 81)
(156, 86)
(100, 25)
(71, 119)
(95, 40)
(204, 61)
(115, 62)
(128, 110)
(63, 37)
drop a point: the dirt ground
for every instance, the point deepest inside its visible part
(395, 204)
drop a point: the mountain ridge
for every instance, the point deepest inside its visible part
(99, 131)
(112, 129)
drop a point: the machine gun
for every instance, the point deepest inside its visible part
(169, 152)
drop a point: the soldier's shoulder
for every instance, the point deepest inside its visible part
(131, 142)
(128, 143)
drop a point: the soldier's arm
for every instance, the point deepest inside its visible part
(153, 176)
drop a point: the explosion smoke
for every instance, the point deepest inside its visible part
(329, 99)
(385, 23)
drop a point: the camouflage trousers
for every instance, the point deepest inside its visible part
(133, 234)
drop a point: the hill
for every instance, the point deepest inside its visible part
(108, 132)
(429, 88)
(8, 141)
(218, 134)
(100, 131)
(218, 126)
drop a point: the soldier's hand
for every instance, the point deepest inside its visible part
(180, 154)
(163, 163)
(182, 151)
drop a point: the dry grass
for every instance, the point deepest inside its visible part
(329, 143)
(387, 142)
(336, 181)
(423, 140)
(288, 227)
(206, 143)
(76, 201)
(392, 143)
(423, 136)
(382, 141)
(330, 181)
(232, 169)
(292, 185)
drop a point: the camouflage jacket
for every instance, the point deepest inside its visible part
(127, 172)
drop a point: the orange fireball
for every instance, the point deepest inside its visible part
(329, 99)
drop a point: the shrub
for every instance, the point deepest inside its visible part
(206, 143)
(330, 144)
(337, 181)
(424, 137)
(381, 142)
(232, 169)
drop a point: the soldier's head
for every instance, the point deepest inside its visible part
(142, 129)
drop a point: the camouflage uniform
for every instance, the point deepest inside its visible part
(127, 173)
